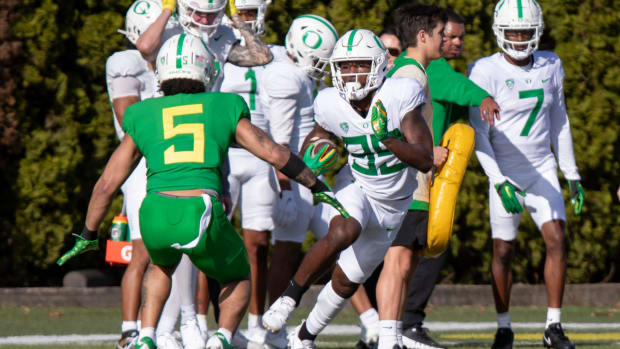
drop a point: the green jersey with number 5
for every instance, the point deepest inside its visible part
(532, 119)
(379, 172)
(185, 137)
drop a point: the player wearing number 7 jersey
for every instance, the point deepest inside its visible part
(184, 137)
(515, 153)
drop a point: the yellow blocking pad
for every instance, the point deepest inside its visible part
(459, 139)
(575, 336)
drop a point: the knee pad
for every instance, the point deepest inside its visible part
(459, 139)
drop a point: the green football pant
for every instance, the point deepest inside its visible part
(198, 227)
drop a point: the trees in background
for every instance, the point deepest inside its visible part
(57, 131)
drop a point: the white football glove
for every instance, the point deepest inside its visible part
(285, 212)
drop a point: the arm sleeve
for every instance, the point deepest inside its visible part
(124, 86)
(561, 137)
(282, 100)
(450, 86)
(483, 148)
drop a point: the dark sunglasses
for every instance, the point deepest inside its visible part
(393, 51)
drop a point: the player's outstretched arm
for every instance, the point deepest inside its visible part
(118, 168)
(417, 148)
(257, 142)
(255, 52)
(150, 41)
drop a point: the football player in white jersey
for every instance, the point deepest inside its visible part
(203, 18)
(516, 155)
(131, 79)
(252, 181)
(381, 124)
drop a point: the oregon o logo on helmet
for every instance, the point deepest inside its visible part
(141, 7)
(312, 39)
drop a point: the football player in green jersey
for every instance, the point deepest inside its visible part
(184, 137)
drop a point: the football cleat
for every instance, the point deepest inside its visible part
(275, 318)
(128, 339)
(167, 341)
(256, 337)
(294, 342)
(554, 337)
(145, 343)
(418, 338)
(218, 341)
(278, 340)
(504, 337)
(191, 335)
(370, 335)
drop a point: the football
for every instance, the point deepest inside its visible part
(319, 144)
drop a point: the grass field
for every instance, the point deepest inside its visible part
(457, 327)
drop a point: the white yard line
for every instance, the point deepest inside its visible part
(331, 330)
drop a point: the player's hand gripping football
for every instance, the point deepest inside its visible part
(379, 120)
(507, 192)
(169, 4)
(577, 195)
(322, 160)
(329, 198)
(83, 243)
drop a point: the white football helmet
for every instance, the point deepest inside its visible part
(310, 41)
(140, 15)
(186, 9)
(260, 6)
(186, 57)
(359, 45)
(518, 15)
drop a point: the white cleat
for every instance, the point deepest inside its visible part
(276, 340)
(191, 335)
(370, 335)
(256, 337)
(295, 343)
(217, 341)
(167, 341)
(275, 318)
(239, 341)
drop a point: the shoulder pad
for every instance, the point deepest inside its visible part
(125, 63)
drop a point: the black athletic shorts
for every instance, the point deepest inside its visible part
(413, 230)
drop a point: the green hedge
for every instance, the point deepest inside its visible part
(66, 132)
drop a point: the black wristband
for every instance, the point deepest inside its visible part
(293, 167)
(88, 234)
(319, 186)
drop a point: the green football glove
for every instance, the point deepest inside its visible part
(81, 245)
(507, 192)
(577, 196)
(322, 161)
(327, 196)
(378, 120)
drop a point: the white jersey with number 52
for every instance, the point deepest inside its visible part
(380, 173)
(533, 117)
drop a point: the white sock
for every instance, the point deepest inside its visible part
(202, 322)
(128, 326)
(226, 333)
(328, 305)
(553, 316)
(147, 332)
(399, 333)
(387, 334)
(166, 324)
(503, 320)
(139, 324)
(254, 320)
(369, 318)
(188, 312)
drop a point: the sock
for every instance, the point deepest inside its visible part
(553, 316)
(254, 320)
(399, 333)
(166, 324)
(369, 318)
(202, 322)
(503, 320)
(226, 333)
(328, 305)
(147, 332)
(304, 334)
(139, 324)
(387, 334)
(188, 312)
(295, 291)
(128, 326)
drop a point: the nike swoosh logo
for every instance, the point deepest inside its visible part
(547, 340)
(216, 38)
(545, 80)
